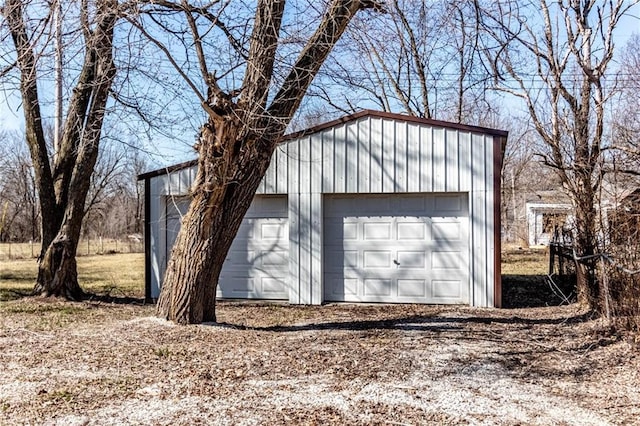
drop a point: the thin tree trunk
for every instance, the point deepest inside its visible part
(587, 285)
(63, 189)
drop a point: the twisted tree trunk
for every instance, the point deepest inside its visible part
(209, 227)
(235, 149)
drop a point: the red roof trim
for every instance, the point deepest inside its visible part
(167, 170)
(394, 116)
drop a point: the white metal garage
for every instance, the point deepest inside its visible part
(373, 207)
(396, 248)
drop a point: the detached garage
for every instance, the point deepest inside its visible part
(372, 207)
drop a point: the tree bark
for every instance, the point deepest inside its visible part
(208, 229)
(234, 152)
(63, 186)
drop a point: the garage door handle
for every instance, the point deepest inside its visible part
(396, 262)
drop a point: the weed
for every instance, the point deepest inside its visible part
(58, 395)
(162, 352)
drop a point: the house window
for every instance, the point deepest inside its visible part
(552, 222)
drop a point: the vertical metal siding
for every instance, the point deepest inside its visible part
(351, 157)
(364, 157)
(464, 161)
(316, 244)
(400, 157)
(368, 155)
(328, 155)
(375, 144)
(438, 160)
(295, 295)
(388, 156)
(413, 158)
(481, 238)
(157, 226)
(425, 160)
(452, 160)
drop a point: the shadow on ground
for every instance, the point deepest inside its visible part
(534, 291)
(409, 323)
(19, 292)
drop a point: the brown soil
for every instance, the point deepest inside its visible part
(92, 363)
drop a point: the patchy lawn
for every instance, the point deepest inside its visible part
(100, 364)
(120, 275)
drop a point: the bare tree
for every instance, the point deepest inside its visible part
(420, 58)
(114, 201)
(62, 177)
(555, 56)
(243, 127)
(18, 197)
(627, 117)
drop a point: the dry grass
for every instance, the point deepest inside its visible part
(87, 247)
(114, 274)
(104, 364)
(524, 282)
(525, 262)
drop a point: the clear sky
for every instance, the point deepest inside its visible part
(163, 150)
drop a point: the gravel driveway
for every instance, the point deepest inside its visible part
(88, 363)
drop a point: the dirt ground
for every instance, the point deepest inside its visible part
(104, 364)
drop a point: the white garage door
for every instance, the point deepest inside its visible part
(396, 248)
(257, 265)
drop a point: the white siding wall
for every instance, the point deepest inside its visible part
(369, 155)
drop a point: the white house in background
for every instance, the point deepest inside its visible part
(372, 207)
(545, 219)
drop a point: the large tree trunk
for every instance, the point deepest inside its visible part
(209, 227)
(57, 271)
(234, 151)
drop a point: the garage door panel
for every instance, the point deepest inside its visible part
(446, 260)
(411, 260)
(377, 259)
(412, 288)
(240, 284)
(377, 231)
(272, 231)
(376, 287)
(273, 285)
(446, 231)
(239, 259)
(246, 231)
(257, 264)
(446, 289)
(409, 231)
(396, 257)
(274, 258)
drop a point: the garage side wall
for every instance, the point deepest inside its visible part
(379, 155)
